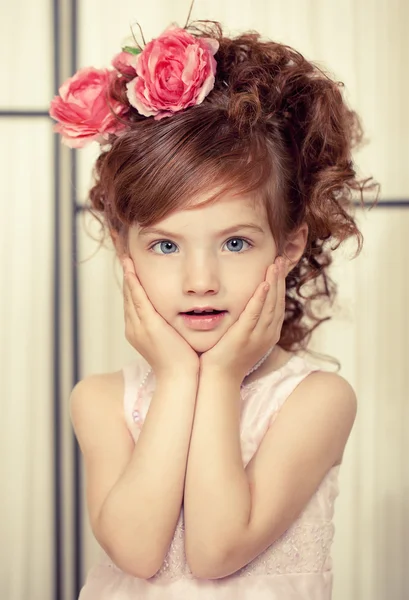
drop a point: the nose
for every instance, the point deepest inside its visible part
(201, 277)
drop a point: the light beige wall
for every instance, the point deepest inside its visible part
(25, 305)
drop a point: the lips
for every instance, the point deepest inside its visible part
(203, 312)
(202, 309)
(203, 319)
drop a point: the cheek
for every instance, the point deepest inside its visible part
(157, 285)
(245, 283)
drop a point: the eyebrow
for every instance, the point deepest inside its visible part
(167, 234)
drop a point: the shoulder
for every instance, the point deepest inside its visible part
(328, 391)
(101, 386)
(326, 403)
(329, 388)
(98, 396)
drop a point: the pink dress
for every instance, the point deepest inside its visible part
(296, 567)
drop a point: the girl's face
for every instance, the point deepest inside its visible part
(209, 257)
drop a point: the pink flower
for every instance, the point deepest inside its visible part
(123, 64)
(174, 71)
(84, 109)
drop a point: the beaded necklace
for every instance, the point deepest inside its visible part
(137, 414)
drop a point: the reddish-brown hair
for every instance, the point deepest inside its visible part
(274, 125)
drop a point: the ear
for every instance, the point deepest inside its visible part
(295, 245)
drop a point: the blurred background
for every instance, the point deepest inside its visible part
(61, 308)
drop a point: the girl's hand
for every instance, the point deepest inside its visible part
(257, 329)
(157, 341)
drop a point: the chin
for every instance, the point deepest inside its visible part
(202, 341)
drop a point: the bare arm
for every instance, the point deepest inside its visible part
(232, 513)
(134, 492)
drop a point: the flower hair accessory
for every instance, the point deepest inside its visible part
(173, 72)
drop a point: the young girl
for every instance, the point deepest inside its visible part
(224, 180)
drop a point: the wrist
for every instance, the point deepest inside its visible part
(178, 373)
(220, 373)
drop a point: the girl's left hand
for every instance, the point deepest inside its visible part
(256, 330)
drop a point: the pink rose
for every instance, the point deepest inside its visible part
(174, 71)
(123, 64)
(84, 110)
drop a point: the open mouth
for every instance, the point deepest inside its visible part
(203, 320)
(201, 313)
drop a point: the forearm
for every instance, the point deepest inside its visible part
(217, 495)
(138, 518)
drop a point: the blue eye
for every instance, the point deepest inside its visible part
(166, 247)
(236, 244)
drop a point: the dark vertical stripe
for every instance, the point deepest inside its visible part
(58, 537)
(57, 384)
(76, 377)
(76, 327)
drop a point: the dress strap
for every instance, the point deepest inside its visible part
(294, 372)
(132, 375)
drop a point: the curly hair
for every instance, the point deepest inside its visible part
(275, 125)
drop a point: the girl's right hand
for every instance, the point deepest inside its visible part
(157, 341)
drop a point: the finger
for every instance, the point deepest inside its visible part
(133, 290)
(273, 275)
(251, 314)
(138, 295)
(128, 265)
(281, 290)
(273, 315)
(274, 309)
(267, 314)
(130, 311)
